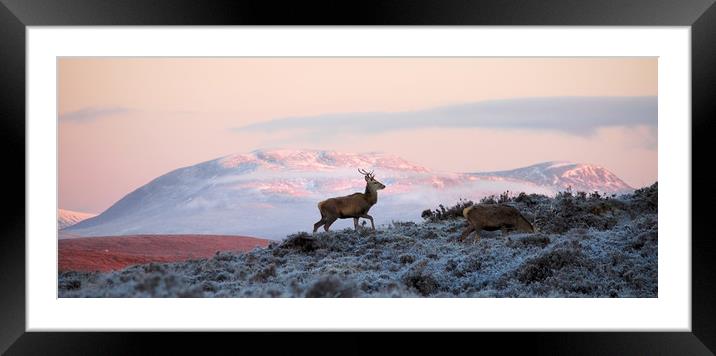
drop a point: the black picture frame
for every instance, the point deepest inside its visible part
(16, 15)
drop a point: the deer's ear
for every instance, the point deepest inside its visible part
(367, 179)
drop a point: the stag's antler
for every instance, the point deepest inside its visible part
(366, 173)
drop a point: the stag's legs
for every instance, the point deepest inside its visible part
(366, 216)
(466, 232)
(328, 222)
(478, 228)
(318, 224)
(355, 223)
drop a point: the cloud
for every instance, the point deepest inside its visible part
(93, 113)
(574, 115)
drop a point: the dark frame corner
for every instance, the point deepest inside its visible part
(16, 15)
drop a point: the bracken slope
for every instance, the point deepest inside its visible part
(587, 245)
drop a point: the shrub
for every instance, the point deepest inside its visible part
(528, 199)
(538, 240)
(264, 274)
(569, 211)
(646, 199)
(490, 199)
(70, 284)
(420, 280)
(331, 287)
(301, 241)
(541, 267)
(407, 259)
(442, 213)
(424, 283)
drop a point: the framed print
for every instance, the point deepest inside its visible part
(462, 177)
(285, 198)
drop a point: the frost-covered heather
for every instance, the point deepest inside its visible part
(587, 246)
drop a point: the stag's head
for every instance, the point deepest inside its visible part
(370, 179)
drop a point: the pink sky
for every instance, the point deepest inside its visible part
(123, 122)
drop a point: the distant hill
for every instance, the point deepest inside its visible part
(67, 218)
(118, 252)
(563, 175)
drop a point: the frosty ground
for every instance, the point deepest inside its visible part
(587, 245)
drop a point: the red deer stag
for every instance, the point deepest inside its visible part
(353, 206)
(491, 217)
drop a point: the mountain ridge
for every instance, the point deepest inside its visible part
(567, 175)
(67, 218)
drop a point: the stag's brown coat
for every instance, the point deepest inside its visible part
(491, 217)
(353, 206)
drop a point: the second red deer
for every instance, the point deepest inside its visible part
(492, 217)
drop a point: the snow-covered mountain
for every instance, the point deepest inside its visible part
(563, 175)
(67, 218)
(270, 193)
